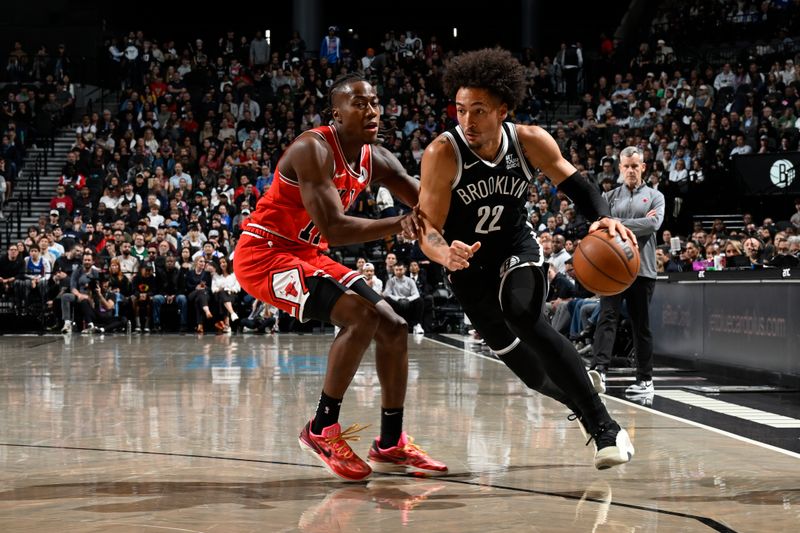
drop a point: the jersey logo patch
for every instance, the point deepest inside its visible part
(512, 161)
(469, 166)
(288, 286)
(508, 264)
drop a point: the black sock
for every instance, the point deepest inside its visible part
(391, 426)
(327, 413)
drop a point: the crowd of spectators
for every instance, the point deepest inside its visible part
(151, 196)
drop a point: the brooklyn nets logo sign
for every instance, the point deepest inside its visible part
(782, 173)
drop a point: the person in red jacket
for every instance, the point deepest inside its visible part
(61, 201)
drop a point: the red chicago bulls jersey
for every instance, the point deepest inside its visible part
(280, 210)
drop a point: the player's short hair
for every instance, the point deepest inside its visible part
(493, 69)
(338, 86)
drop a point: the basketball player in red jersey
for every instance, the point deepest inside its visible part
(280, 259)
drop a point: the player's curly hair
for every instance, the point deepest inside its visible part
(493, 69)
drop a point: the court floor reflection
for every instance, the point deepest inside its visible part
(200, 434)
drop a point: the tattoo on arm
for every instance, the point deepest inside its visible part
(435, 239)
(443, 141)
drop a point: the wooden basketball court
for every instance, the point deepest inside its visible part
(185, 433)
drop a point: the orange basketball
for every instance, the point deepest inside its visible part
(605, 265)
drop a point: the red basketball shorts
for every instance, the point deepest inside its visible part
(274, 270)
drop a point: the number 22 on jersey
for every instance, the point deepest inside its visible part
(485, 212)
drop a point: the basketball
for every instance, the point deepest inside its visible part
(605, 265)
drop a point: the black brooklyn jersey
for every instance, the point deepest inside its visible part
(487, 202)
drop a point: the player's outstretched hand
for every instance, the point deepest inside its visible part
(411, 224)
(614, 227)
(459, 254)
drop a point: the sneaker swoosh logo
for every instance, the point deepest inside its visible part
(325, 452)
(470, 165)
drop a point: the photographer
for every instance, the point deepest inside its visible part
(260, 319)
(103, 319)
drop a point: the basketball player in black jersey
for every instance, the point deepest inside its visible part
(474, 182)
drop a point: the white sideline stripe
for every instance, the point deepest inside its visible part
(653, 411)
(727, 408)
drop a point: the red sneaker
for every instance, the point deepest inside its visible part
(406, 458)
(332, 450)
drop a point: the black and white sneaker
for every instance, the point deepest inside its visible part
(640, 387)
(613, 446)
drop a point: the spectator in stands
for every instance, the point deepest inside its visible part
(71, 177)
(81, 286)
(145, 286)
(754, 250)
(264, 180)
(61, 202)
(129, 264)
(782, 257)
(259, 52)
(225, 287)
(12, 269)
(139, 250)
(402, 294)
(3, 188)
(369, 277)
(198, 291)
(179, 180)
(725, 79)
(560, 256)
(330, 48)
(171, 291)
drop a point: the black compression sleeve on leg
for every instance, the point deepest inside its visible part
(522, 297)
(586, 196)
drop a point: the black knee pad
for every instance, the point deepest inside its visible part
(522, 292)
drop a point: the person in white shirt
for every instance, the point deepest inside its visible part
(369, 277)
(740, 149)
(156, 218)
(788, 74)
(560, 255)
(128, 263)
(725, 78)
(402, 294)
(225, 287)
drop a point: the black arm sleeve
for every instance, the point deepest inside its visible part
(586, 196)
